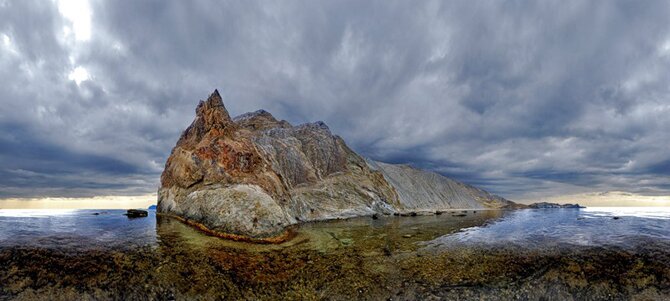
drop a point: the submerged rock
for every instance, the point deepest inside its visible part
(254, 175)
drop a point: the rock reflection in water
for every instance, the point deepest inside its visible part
(353, 259)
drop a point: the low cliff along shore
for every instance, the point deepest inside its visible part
(252, 176)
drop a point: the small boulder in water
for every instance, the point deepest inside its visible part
(131, 213)
(616, 217)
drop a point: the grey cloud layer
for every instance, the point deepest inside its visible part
(522, 98)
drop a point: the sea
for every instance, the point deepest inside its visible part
(531, 228)
(599, 253)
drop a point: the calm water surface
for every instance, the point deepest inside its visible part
(75, 229)
(555, 254)
(623, 227)
(86, 229)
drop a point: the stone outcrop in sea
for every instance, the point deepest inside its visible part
(252, 176)
(546, 205)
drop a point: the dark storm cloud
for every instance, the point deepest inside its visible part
(522, 98)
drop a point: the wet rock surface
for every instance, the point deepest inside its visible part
(134, 213)
(174, 271)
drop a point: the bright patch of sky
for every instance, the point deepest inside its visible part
(665, 48)
(7, 43)
(78, 12)
(79, 75)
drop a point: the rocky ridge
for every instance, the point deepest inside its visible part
(252, 176)
(421, 190)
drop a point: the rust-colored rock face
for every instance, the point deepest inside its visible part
(254, 175)
(212, 150)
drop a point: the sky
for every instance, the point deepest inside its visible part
(527, 99)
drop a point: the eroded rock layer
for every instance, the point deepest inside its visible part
(254, 175)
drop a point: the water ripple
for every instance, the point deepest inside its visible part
(621, 227)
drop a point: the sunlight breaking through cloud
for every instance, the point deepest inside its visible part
(79, 75)
(78, 12)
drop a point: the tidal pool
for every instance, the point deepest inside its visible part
(493, 255)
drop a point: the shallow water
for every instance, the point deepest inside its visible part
(75, 229)
(491, 255)
(79, 230)
(539, 228)
(543, 228)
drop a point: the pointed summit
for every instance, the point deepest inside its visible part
(213, 111)
(211, 117)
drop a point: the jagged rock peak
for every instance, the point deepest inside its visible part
(213, 112)
(211, 117)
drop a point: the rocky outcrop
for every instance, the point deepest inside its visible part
(252, 176)
(420, 190)
(546, 205)
(134, 213)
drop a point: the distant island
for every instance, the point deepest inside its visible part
(545, 205)
(249, 177)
